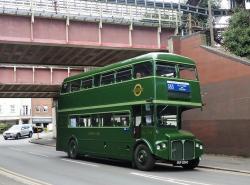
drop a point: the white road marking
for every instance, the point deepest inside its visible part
(32, 153)
(171, 180)
(78, 162)
(223, 171)
(21, 178)
(41, 155)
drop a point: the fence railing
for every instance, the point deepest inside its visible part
(96, 11)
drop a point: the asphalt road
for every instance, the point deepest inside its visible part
(21, 161)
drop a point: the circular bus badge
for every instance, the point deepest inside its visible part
(138, 90)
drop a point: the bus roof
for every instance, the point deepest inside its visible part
(161, 56)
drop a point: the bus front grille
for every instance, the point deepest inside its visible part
(182, 150)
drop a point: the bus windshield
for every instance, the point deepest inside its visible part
(187, 72)
(167, 116)
(165, 70)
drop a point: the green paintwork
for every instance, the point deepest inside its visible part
(119, 142)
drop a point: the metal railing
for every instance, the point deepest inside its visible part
(94, 11)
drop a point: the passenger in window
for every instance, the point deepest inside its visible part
(138, 75)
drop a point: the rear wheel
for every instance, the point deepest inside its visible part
(143, 158)
(5, 138)
(73, 149)
(191, 165)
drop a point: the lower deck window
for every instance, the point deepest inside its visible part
(121, 119)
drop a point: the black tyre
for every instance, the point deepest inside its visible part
(18, 136)
(5, 138)
(73, 149)
(30, 134)
(143, 158)
(192, 164)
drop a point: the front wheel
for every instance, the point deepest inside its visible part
(18, 136)
(30, 134)
(73, 149)
(191, 165)
(143, 158)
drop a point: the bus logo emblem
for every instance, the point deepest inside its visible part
(138, 90)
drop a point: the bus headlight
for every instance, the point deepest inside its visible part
(158, 147)
(163, 145)
(201, 147)
(197, 145)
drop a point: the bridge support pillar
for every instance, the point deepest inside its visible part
(54, 108)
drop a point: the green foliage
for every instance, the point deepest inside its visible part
(3, 127)
(237, 36)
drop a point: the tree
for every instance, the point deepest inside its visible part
(237, 36)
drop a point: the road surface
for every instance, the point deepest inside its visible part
(26, 163)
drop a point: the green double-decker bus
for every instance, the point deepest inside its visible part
(132, 110)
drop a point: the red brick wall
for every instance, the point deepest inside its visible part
(212, 67)
(224, 123)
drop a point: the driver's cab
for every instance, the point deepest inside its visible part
(151, 116)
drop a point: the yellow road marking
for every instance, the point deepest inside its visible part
(21, 178)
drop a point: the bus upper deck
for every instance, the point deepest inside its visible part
(154, 77)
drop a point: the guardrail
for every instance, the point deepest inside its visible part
(96, 11)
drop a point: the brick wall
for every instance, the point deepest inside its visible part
(38, 105)
(224, 123)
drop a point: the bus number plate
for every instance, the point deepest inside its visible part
(181, 162)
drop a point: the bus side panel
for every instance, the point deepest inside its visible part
(118, 142)
(62, 127)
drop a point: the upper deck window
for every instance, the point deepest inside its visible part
(65, 88)
(123, 74)
(187, 72)
(97, 80)
(143, 69)
(108, 78)
(166, 70)
(75, 85)
(87, 83)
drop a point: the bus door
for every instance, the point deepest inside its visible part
(143, 121)
(147, 123)
(136, 119)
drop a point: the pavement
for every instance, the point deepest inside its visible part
(209, 161)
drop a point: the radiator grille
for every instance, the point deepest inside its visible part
(182, 150)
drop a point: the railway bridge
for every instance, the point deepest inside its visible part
(44, 41)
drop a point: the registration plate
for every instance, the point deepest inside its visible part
(181, 162)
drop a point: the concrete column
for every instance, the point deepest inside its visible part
(130, 34)
(20, 121)
(54, 108)
(30, 121)
(100, 33)
(67, 30)
(174, 45)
